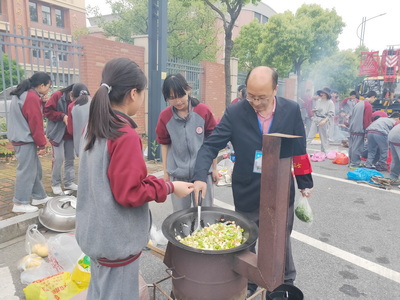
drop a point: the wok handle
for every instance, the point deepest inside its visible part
(170, 271)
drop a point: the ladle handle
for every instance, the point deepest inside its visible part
(200, 199)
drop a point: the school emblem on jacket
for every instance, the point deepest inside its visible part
(199, 130)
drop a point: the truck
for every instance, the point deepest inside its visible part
(383, 77)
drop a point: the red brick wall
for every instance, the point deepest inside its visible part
(96, 53)
(213, 87)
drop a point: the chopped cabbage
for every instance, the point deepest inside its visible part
(219, 236)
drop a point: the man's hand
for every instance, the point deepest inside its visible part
(215, 176)
(199, 186)
(65, 119)
(306, 192)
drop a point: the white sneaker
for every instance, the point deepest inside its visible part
(71, 186)
(40, 201)
(57, 190)
(24, 208)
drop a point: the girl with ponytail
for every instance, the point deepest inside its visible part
(112, 213)
(25, 130)
(78, 113)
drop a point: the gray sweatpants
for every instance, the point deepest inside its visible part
(188, 201)
(395, 165)
(356, 147)
(28, 182)
(113, 283)
(63, 153)
(375, 142)
(323, 134)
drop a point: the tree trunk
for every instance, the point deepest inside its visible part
(228, 50)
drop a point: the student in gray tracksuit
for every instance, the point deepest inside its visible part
(377, 136)
(25, 131)
(181, 130)
(78, 113)
(361, 118)
(112, 213)
(394, 146)
(55, 111)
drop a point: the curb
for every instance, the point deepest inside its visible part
(16, 226)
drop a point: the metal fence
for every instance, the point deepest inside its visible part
(190, 70)
(27, 52)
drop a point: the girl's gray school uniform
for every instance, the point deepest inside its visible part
(80, 116)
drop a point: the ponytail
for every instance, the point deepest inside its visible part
(37, 79)
(119, 77)
(81, 93)
(103, 122)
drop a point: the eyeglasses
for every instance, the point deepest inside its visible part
(254, 99)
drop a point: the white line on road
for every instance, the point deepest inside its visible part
(354, 259)
(354, 182)
(7, 288)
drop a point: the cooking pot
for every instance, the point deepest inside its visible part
(59, 214)
(184, 222)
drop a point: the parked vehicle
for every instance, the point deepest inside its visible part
(383, 77)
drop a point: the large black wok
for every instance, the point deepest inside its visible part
(184, 222)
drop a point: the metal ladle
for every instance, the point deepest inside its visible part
(199, 202)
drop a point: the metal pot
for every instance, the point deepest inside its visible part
(184, 222)
(59, 214)
(205, 274)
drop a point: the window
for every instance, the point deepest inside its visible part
(36, 49)
(59, 18)
(46, 15)
(261, 18)
(47, 50)
(33, 11)
(62, 52)
(264, 19)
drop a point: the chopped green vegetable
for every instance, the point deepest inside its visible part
(303, 214)
(219, 236)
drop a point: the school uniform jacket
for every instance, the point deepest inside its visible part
(78, 116)
(112, 213)
(55, 110)
(240, 126)
(184, 137)
(25, 122)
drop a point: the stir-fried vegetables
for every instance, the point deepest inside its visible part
(219, 236)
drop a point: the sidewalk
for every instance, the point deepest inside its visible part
(12, 224)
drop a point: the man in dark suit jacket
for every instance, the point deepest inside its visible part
(243, 125)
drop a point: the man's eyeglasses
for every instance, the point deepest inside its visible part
(254, 99)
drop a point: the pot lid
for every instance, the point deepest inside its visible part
(61, 206)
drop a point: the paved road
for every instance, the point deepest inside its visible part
(350, 251)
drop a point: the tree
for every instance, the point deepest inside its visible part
(228, 10)
(9, 74)
(246, 44)
(339, 71)
(290, 40)
(191, 31)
